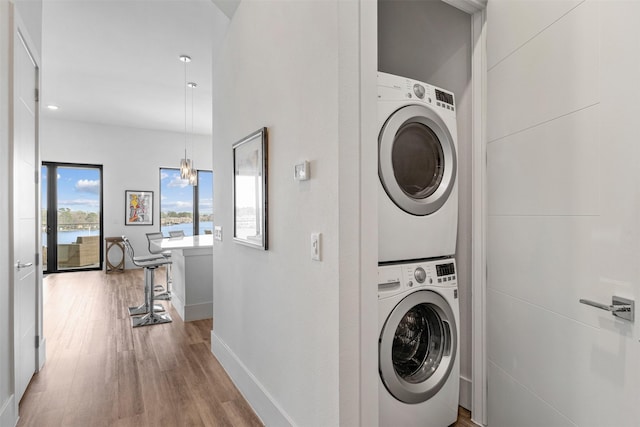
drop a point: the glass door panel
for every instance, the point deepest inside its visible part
(71, 217)
(78, 217)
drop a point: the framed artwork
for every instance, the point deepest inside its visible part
(138, 207)
(250, 190)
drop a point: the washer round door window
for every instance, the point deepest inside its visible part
(417, 347)
(417, 160)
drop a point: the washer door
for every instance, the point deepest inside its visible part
(417, 347)
(417, 160)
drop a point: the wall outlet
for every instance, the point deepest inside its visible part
(217, 233)
(316, 248)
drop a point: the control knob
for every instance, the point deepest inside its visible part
(420, 274)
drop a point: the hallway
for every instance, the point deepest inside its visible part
(102, 372)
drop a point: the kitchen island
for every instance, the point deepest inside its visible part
(192, 272)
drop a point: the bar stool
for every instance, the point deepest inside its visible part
(144, 307)
(177, 233)
(150, 264)
(154, 249)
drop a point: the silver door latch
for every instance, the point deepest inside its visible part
(620, 307)
(20, 265)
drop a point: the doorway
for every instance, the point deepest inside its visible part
(71, 215)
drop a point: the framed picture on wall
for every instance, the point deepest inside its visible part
(138, 207)
(250, 190)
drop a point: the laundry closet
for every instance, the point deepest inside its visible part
(430, 41)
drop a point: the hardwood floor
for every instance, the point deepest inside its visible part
(464, 419)
(102, 372)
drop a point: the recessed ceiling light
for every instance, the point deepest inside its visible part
(192, 84)
(52, 107)
(185, 58)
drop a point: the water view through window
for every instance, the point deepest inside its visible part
(71, 217)
(183, 207)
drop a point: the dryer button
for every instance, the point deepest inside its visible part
(410, 284)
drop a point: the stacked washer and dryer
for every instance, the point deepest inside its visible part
(418, 309)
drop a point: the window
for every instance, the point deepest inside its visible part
(71, 217)
(204, 193)
(184, 207)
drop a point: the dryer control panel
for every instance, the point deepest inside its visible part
(400, 277)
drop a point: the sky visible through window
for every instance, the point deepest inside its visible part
(77, 203)
(78, 189)
(177, 202)
(176, 193)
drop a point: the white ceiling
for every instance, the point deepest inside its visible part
(116, 62)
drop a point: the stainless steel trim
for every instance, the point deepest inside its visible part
(620, 307)
(428, 117)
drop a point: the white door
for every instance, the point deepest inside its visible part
(563, 212)
(24, 214)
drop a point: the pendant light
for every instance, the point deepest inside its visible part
(185, 163)
(193, 175)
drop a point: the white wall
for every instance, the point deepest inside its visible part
(7, 414)
(564, 204)
(430, 41)
(278, 315)
(131, 160)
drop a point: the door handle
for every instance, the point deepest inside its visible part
(19, 265)
(620, 307)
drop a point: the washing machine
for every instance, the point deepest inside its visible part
(418, 351)
(417, 167)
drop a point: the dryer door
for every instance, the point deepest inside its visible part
(417, 159)
(417, 347)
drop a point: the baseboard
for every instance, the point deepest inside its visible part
(178, 305)
(198, 311)
(42, 354)
(465, 393)
(191, 312)
(8, 417)
(267, 409)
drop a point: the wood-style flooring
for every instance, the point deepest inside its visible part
(102, 372)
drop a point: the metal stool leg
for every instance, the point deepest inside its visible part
(152, 318)
(144, 307)
(166, 295)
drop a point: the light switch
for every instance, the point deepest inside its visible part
(316, 248)
(217, 233)
(301, 171)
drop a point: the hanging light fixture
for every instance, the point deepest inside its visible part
(185, 163)
(193, 175)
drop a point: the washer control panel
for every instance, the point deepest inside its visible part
(395, 88)
(394, 278)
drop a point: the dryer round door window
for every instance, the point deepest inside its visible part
(417, 347)
(417, 160)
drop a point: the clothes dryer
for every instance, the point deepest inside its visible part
(419, 363)
(417, 167)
